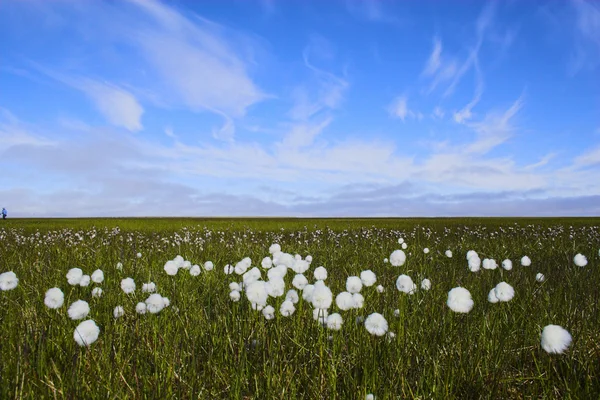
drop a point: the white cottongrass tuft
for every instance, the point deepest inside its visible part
(234, 295)
(209, 266)
(84, 281)
(489, 263)
(79, 310)
(492, 296)
(470, 254)
(275, 287)
(307, 292)
(268, 312)
(396, 312)
(251, 276)
(55, 298)
(448, 253)
(426, 250)
(266, 263)
(555, 339)
(404, 246)
(540, 277)
(380, 289)
(580, 260)
(309, 259)
(98, 276)
(128, 285)
(507, 264)
(139, 255)
(166, 301)
(358, 299)
(171, 268)
(149, 287)
(8, 280)
(400, 240)
(274, 248)
(228, 269)
(321, 296)
(320, 273)
(120, 266)
(335, 322)
(86, 333)
(140, 308)
(300, 266)
(425, 284)
(234, 286)
(525, 261)
(299, 281)
(353, 284)
(195, 270)
(256, 293)
(320, 315)
(370, 396)
(186, 265)
(292, 296)
(155, 303)
(97, 292)
(474, 263)
(398, 258)
(368, 278)
(118, 312)
(459, 300)
(287, 308)
(376, 324)
(405, 284)
(74, 276)
(504, 292)
(385, 261)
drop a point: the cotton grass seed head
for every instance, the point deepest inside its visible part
(128, 285)
(307, 293)
(195, 270)
(425, 284)
(321, 296)
(118, 312)
(98, 276)
(228, 269)
(287, 308)
(397, 258)
(8, 280)
(474, 263)
(171, 268)
(320, 273)
(234, 295)
(149, 287)
(74, 276)
(504, 292)
(55, 298)
(78, 310)
(405, 284)
(299, 282)
(268, 312)
(525, 261)
(256, 293)
(292, 296)
(335, 322)
(492, 296)
(344, 301)
(555, 339)
(459, 300)
(353, 284)
(274, 248)
(209, 266)
(119, 266)
(358, 299)
(507, 264)
(234, 286)
(404, 246)
(426, 250)
(380, 289)
(84, 281)
(266, 263)
(489, 263)
(448, 253)
(376, 324)
(155, 303)
(86, 333)
(368, 278)
(580, 260)
(140, 308)
(97, 292)
(540, 277)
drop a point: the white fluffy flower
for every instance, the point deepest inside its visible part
(300, 266)
(275, 287)
(86, 333)
(299, 282)
(256, 293)
(140, 308)
(54, 298)
(208, 266)
(398, 258)
(251, 276)
(474, 263)
(334, 322)
(504, 292)
(118, 312)
(358, 299)
(268, 312)
(120, 266)
(166, 301)
(234, 286)
(380, 289)
(228, 269)
(74, 276)
(385, 261)
(525, 261)
(580, 260)
(79, 310)
(400, 240)
(307, 293)
(97, 292)
(266, 263)
(425, 284)
(292, 296)
(320, 273)
(320, 315)
(540, 277)
(275, 248)
(8, 280)
(555, 339)
(489, 263)
(353, 284)
(321, 296)
(309, 258)
(186, 265)
(471, 253)
(396, 312)
(195, 270)
(98, 276)
(171, 267)
(149, 287)
(492, 296)
(404, 246)
(128, 285)
(368, 278)
(84, 281)
(344, 301)
(234, 295)
(426, 250)
(376, 324)
(507, 264)
(155, 303)
(139, 255)
(459, 300)
(448, 253)
(287, 308)
(370, 396)
(279, 271)
(405, 284)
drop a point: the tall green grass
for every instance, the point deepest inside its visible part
(205, 346)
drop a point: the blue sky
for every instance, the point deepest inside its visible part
(300, 108)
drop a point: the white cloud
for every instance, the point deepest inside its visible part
(434, 62)
(587, 28)
(399, 108)
(589, 158)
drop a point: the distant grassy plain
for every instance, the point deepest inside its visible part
(206, 346)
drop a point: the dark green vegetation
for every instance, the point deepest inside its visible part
(205, 346)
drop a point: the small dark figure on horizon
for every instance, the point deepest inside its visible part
(4, 213)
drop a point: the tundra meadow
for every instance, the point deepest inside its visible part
(300, 308)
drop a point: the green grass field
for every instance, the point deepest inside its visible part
(206, 346)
